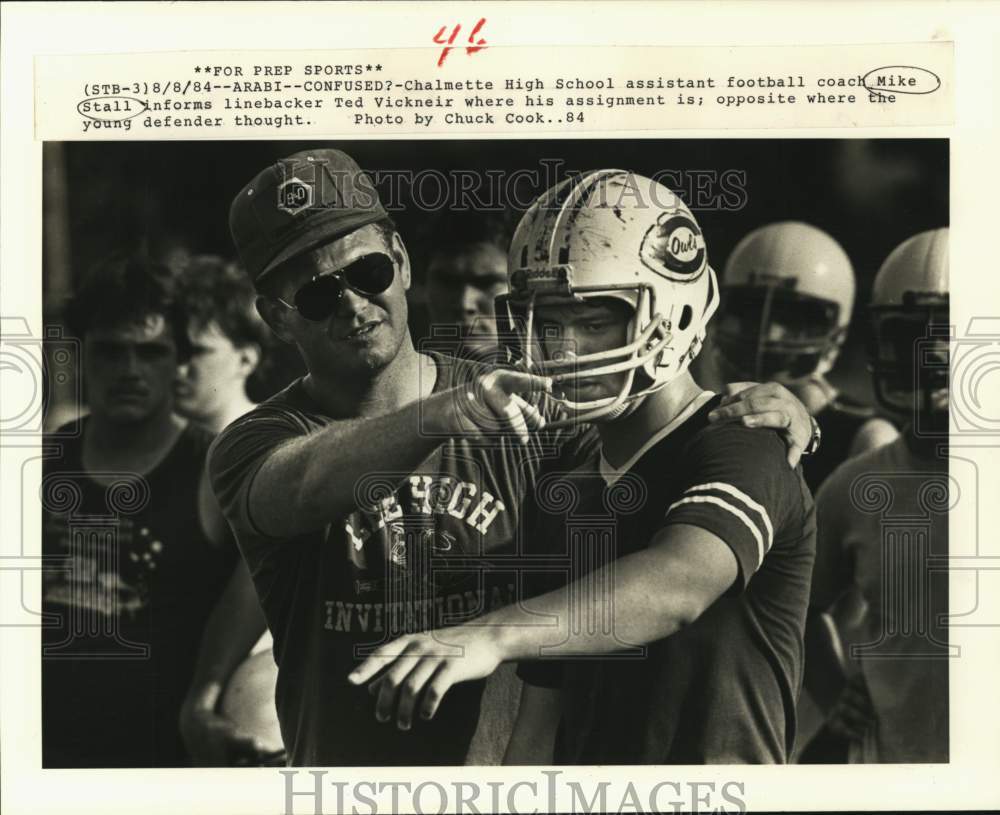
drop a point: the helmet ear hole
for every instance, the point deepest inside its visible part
(686, 314)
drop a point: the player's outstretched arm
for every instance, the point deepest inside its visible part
(306, 482)
(656, 592)
(769, 405)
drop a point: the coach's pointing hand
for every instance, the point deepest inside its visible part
(415, 671)
(498, 403)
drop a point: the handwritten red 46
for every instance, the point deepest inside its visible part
(474, 44)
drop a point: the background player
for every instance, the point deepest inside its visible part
(712, 568)
(901, 674)
(787, 299)
(227, 338)
(466, 272)
(142, 586)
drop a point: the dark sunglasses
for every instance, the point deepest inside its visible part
(368, 275)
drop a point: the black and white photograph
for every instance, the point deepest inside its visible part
(534, 452)
(498, 407)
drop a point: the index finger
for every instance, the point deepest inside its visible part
(734, 410)
(367, 669)
(380, 658)
(734, 389)
(523, 382)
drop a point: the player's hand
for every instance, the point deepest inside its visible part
(768, 405)
(499, 403)
(212, 740)
(852, 715)
(411, 675)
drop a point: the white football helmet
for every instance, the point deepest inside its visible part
(614, 234)
(909, 309)
(787, 296)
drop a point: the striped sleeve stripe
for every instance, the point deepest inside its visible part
(712, 499)
(729, 489)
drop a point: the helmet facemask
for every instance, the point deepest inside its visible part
(910, 348)
(773, 333)
(910, 363)
(648, 336)
(788, 294)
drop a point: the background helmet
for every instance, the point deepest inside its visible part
(910, 321)
(787, 295)
(614, 234)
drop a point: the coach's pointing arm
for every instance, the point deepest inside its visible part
(284, 480)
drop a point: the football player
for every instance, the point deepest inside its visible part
(705, 580)
(466, 272)
(900, 669)
(787, 298)
(228, 339)
(129, 597)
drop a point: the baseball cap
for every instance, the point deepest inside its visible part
(297, 204)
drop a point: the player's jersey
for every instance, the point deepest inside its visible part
(839, 423)
(130, 579)
(723, 689)
(883, 522)
(420, 551)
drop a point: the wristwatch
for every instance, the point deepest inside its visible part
(814, 439)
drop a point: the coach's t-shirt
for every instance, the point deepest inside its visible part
(723, 689)
(421, 550)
